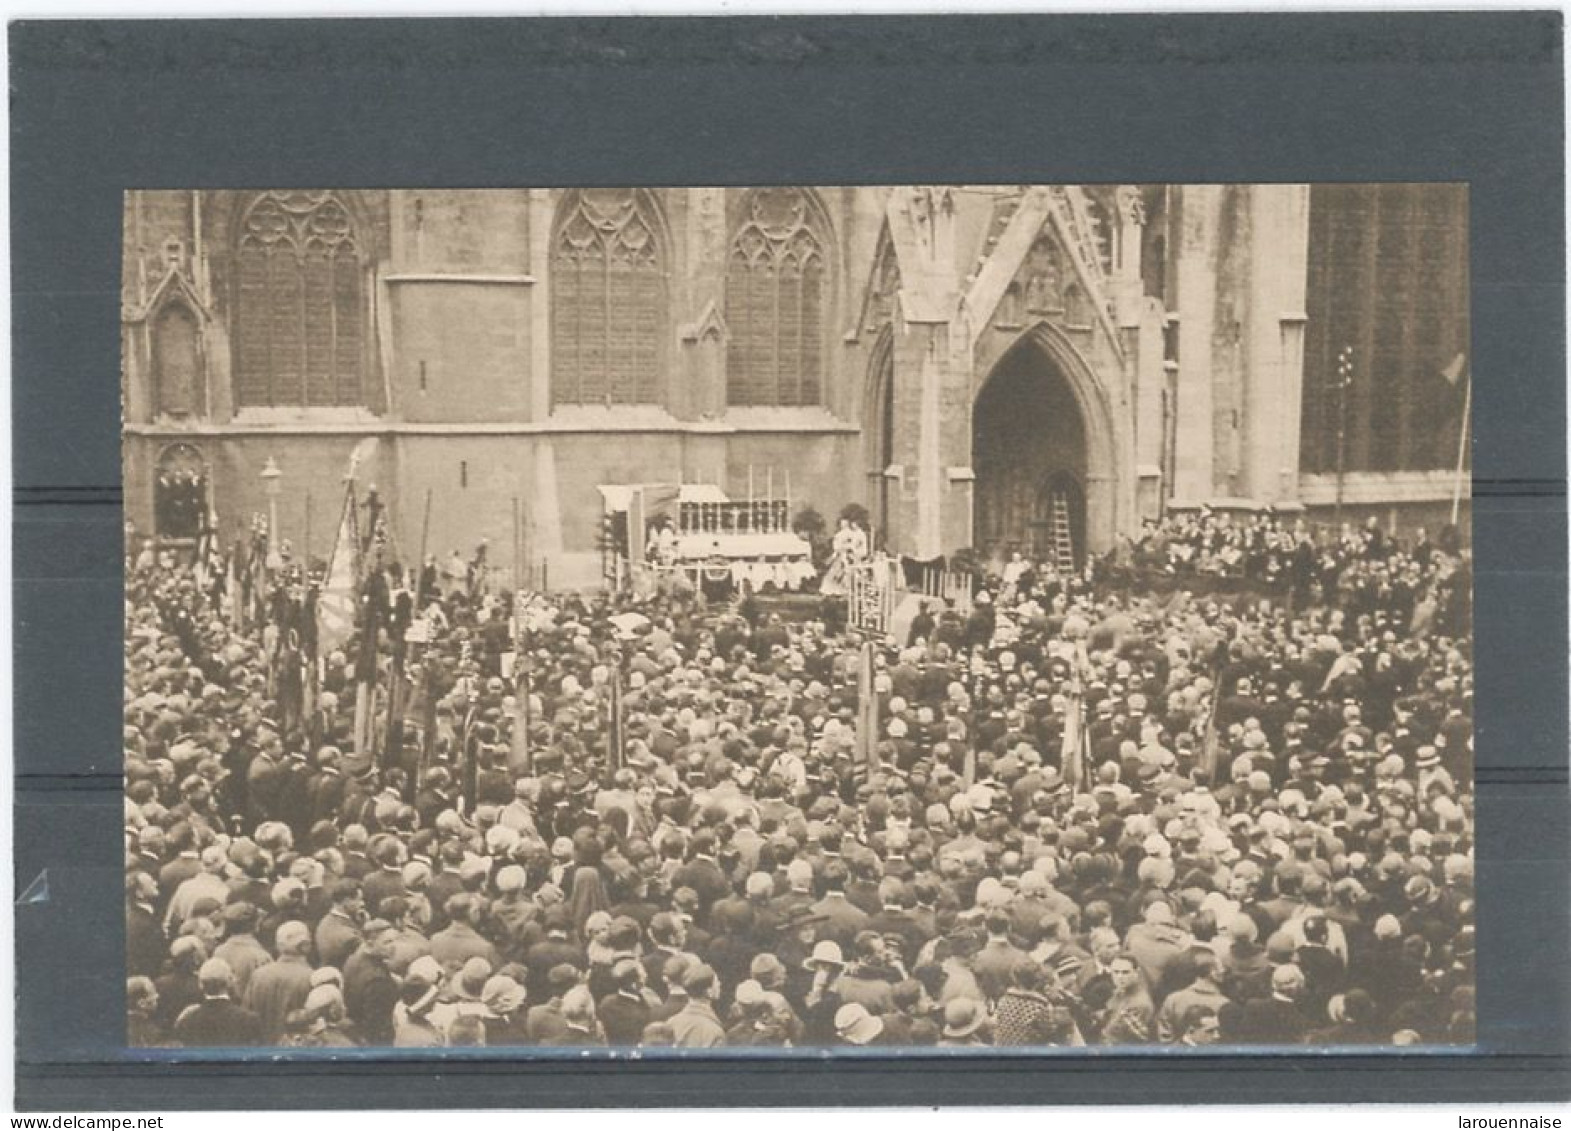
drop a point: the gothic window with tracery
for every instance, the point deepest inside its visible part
(1388, 280)
(777, 296)
(300, 309)
(608, 299)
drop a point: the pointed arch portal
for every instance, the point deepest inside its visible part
(1043, 452)
(878, 441)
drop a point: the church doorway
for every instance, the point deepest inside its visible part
(878, 444)
(1030, 456)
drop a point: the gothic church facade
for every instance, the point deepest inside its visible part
(968, 362)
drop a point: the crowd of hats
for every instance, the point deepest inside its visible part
(1267, 837)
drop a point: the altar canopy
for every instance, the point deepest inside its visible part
(749, 542)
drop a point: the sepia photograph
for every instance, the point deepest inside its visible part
(929, 617)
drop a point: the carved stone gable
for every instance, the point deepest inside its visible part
(1039, 288)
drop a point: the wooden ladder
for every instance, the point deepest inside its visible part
(1063, 539)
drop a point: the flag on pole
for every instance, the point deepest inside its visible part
(522, 760)
(205, 542)
(340, 595)
(867, 709)
(1074, 743)
(361, 452)
(1211, 745)
(234, 588)
(1077, 736)
(1454, 373)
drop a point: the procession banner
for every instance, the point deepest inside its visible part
(520, 756)
(1074, 742)
(870, 597)
(867, 709)
(1211, 746)
(340, 597)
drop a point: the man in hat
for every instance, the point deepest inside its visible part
(370, 989)
(338, 934)
(262, 777)
(240, 948)
(965, 1024)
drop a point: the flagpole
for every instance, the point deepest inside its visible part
(614, 736)
(523, 761)
(425, 535)
(1461, 450)
(518, 552)
(869, 708)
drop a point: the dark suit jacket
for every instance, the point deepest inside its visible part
(623, 1018)
(145, 944)
(1264, 1022)
(218, 1023)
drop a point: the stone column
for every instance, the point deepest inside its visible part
(1150, 390)
(1200, 210)
(703, 380)
(908, 348)
(542, 208)
(1279, 268)
(545, 509)
(930, 463)
(957, 395)
(1291, 329)
(1127, 284)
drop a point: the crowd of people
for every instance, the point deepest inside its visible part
(664, 829)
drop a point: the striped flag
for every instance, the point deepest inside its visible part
(234, 588)
(1077, 736)
(340, 596)
(205, 543)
